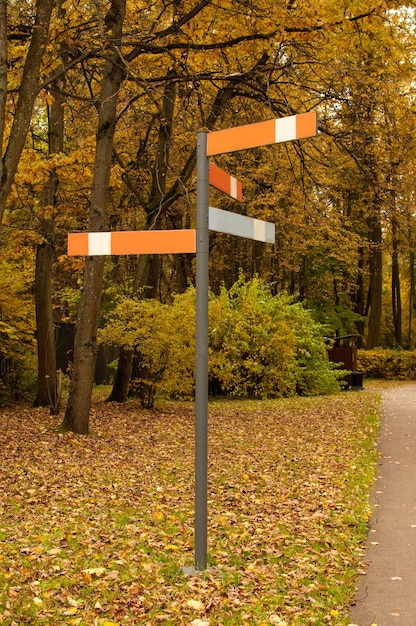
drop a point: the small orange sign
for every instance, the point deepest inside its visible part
(224, 182)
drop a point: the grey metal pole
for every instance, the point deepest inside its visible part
(201, 375)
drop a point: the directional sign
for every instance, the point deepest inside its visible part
(182, 241)
(132, 242)
(240, 225)
(262, 133)
(224, 182)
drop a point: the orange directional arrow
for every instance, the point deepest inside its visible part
(132, 242)
(224, 182)
(262, 133)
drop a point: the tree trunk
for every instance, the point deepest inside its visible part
(122, 378)
(376, 284)
(28, 92)
(303, 278)
(3, 75)
(85, 347)
(395, 288)
(359, 297)
(47, 392)
(412, 295)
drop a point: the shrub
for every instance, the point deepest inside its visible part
(252, 349)
(388, 363)
(263, 345)
(259, 345)
(164, 337)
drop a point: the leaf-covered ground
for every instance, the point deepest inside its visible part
(94, 530)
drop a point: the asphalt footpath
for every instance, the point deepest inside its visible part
(386, 593)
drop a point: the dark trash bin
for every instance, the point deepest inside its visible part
(344, 351)
(356, 381)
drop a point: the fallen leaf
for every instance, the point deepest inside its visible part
(275, 619)
(95, 571)
(196, 604)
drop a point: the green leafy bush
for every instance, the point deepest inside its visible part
(260, 345)
(252, 350)
(263, 345)
(388, 363)
(164, 337)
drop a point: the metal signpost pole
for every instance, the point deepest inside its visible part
(201, 375)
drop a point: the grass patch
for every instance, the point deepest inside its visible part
(95, 529)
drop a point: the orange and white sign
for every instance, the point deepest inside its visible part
(132, 242)
(262, 133)
(224, 182)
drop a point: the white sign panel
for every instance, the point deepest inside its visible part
(241, 225)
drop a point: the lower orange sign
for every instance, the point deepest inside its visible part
(132, 242)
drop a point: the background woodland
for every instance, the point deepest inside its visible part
(100, 103)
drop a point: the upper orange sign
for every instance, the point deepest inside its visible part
(262, 133)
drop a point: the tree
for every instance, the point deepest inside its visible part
(27, 92)
(77, 411)
(48, 392)
(367, 95)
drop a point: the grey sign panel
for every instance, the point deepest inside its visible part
(241, 225)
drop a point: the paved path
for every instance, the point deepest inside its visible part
(386, 594)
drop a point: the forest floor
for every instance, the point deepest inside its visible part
(94, 530)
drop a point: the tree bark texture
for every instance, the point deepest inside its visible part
(122, 378)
